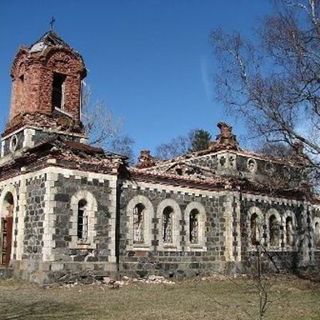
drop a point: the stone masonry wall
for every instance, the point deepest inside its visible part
(34, 217)
(282, 257)
(181, 262)
(72, 258)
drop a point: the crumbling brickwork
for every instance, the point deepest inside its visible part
(33, 74)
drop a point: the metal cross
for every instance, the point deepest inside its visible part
(53, 20)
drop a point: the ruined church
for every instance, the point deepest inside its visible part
(69, 209)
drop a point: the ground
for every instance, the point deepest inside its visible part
(209, 298)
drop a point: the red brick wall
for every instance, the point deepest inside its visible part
(34, 94)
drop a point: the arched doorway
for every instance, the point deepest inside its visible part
(6, 228)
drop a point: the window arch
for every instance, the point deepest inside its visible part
(317, 233)
(273, 227)
(138, 226)
(139, 214)
(289, 225)
(169, 215)
(274, 231)
(255, 227)
(195, 218)
(84, 208)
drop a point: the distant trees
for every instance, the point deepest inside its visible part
(195, 140)
(200, 140)
(274, 81)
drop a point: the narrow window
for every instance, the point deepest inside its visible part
(167, 225)
(317, 235)
(58, 90)
(194, 226)
(21, 90)
(274, 231)
(82, 226)
(289, 232)
(254, 228)
(138, 221)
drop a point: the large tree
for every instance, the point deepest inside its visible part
(273, 81)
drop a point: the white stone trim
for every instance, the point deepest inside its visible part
(147, 228)
(201, 245)
(271, 200)
(90, 213)
(175, 189)
(176, 227)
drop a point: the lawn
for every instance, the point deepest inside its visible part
(190, 299)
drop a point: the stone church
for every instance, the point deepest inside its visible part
(69, 209)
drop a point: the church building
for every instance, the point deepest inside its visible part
(69, 210)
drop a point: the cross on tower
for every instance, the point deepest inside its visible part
(53, 20)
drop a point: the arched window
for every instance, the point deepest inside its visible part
(194, 226)
(255, 229)
(140, 213)
(138, 223)
(6, 228)
(169, 225)
(289, 232)
(58, 88)
(82, 227)
(274, 231)
(167, 222)
(83, 220)
(317, 235)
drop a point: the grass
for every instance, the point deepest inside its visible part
(191, 299)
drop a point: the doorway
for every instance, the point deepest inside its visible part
(6, 229)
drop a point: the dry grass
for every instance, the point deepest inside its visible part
(192, 299)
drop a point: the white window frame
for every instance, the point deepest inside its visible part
(176, 227)
(201, 245)
(90, 211)
(147, 227)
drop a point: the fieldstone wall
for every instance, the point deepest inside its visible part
(34, 217)
(181, 261)
(76, 259)
(282, 257)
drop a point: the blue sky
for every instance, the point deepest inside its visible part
(149, 60)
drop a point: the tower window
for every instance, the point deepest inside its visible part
(58, 87)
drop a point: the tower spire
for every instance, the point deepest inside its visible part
(52, 21)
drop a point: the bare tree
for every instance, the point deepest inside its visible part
(274, 82)
(102, 128)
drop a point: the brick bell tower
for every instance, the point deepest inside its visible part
(46, 94)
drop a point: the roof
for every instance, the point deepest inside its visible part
(65, 153)
(50, 38)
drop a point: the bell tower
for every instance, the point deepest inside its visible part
(46, 93)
